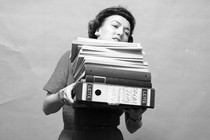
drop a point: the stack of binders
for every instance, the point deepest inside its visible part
(113, 74)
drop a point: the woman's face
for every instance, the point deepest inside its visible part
(114, 28)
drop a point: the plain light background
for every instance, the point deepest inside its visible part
(173, 33)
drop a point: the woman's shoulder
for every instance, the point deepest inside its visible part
(67, 53)
(65, 57)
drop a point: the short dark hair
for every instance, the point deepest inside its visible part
(94, 24)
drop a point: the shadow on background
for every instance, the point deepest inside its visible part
(174, 35)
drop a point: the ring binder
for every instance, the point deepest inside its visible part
(115, 95)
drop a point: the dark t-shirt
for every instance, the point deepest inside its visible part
(63, 77)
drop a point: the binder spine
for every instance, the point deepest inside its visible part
(117, 81)
(115, 95)
(117, 73)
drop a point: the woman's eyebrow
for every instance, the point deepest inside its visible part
(127, 28)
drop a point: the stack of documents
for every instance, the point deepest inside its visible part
(112, 73)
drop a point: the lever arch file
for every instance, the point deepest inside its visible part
(115, 95)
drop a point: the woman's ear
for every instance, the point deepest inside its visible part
(97, 32)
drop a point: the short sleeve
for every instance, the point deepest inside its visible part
(59, 78)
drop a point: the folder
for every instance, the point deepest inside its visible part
(112, 71)
(117, 81)
(114, 95)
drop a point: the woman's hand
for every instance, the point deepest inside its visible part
(54, 102)
(133, 118)
(135, 113)
(65, 95)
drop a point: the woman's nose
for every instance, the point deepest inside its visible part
(120, 31)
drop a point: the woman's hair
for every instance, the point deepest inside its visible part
(94, 24)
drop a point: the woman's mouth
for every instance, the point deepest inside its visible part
(116, 39)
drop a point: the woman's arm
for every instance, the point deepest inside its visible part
(54, 102)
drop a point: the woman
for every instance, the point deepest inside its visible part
(115, 24)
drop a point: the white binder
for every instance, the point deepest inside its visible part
(115, 95)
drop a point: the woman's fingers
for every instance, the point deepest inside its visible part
(67, 93)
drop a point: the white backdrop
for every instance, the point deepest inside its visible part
(174, 34)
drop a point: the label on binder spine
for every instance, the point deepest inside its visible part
(144, 97)
(89, 92)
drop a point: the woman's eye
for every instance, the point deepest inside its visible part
(126, 33)
(116, 26)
